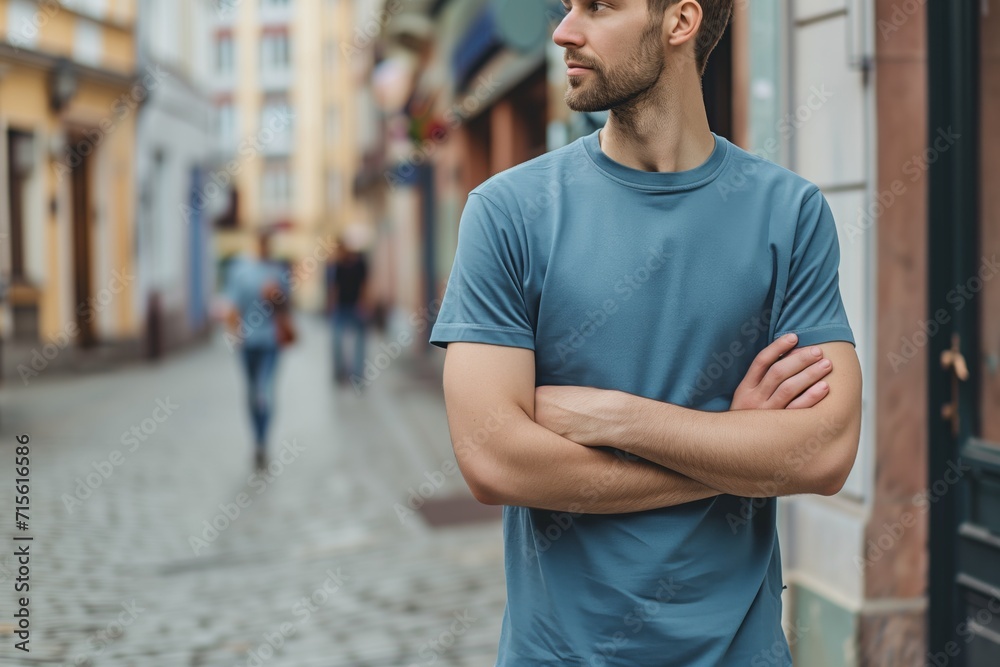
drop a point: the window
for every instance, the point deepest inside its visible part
(224, 53)
(225, 123)
(20, 165)
(276, 189)
(276, 116)
(275, 54)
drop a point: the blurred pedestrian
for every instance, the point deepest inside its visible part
(260, 322)
(348, 305)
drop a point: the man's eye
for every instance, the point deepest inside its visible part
(593, 6)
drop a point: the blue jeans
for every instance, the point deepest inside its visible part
(260, 363)
(348, 318)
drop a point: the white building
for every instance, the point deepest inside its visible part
(175, 273)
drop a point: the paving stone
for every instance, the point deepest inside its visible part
(123, 551)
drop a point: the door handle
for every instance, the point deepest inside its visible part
(953, 360)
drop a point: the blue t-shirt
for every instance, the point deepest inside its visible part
(664, 285)
(245, 282)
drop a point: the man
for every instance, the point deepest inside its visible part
(258, 291)
(347, 304)
(615, 310)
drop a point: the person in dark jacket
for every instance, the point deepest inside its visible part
(349, 308)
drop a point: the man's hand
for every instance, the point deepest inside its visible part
(232, 319)
(776, 382)
(778, 379)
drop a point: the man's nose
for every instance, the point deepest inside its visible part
(567, 33)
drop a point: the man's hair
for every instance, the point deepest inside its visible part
(716, 15)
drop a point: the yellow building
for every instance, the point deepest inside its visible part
(281, 87)
(69, 96)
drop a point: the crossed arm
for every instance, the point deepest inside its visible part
(544, 447)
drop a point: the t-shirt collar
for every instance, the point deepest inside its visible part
(658, 180)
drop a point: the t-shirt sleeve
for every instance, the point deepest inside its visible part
(484, 298)
(812, 307)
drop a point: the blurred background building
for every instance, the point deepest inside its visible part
(69, 96)
(175, 257)
(107, 137)
(285, 123)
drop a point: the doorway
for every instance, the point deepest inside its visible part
(82, 213)
(20, 151)
(964, 357)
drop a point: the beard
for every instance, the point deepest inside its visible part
(626, 85)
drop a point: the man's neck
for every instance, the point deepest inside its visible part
(664, 135)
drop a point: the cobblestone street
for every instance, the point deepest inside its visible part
(172, 553)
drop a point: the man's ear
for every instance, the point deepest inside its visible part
(681, 25)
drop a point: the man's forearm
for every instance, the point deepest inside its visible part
(752, 453)
(528, 465)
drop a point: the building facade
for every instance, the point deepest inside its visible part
(69, 99)
(175, 133)
(285, 124)
(463, 91)
(887, 106)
